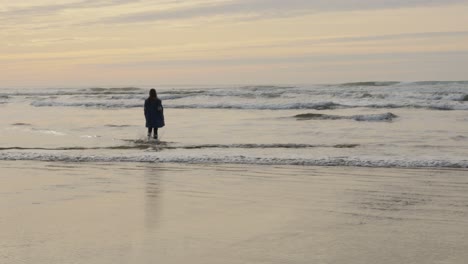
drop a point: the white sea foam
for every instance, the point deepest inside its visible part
(236, 159)
(101, 104)
(386, 95)
(49, 132)
(327, 105)
(371, 117)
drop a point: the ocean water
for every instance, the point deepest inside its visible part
(367, 124)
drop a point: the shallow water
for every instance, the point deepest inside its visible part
(260, 174)
(362, 124)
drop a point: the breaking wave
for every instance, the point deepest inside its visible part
(4, 99)
(426, 95)
(327, 105)
(373, 117)
(237, 159)
(439, 82)
(391, 83)
(144, 144)
(370, 84)
(266, 106)
(102, 104)
(21, 124)
(117, 89)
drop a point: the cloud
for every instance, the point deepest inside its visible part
(417, 35)
(347, 59)
(270, 8)
(143, 11)
(45, 10)
(288, 47)
(46, 16)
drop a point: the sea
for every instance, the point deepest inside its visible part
(362, 124)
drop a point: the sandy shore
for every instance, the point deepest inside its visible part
(149, 213)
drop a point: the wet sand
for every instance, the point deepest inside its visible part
(172, 213)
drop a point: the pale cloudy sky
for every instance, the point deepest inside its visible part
(149, 42)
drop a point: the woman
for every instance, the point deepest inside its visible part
(154, 114)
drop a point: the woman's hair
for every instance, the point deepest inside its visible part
(152, 94)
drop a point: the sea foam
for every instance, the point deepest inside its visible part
(236, 159)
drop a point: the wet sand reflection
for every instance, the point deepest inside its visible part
(153, 196)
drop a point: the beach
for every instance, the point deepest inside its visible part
(145, 213)
(233, 132)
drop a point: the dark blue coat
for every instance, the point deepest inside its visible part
(154, 113)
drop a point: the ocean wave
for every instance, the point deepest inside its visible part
(100, 104)
(4, 99)
(72, 92)
(450, 96)
(265, 87)
(182, 92)
(266, 90)
(244, 146)
(438, 82)
(145, 144)
(110, 90)
(459, 138)
(372, 117)
(370, 84)
(265, 106)
(117, 126)
(134, 104)
(238, 159)
(21, 124)
(124, 89)
(49, 132)
(369, 95)
(431, 106)
(125, 97)
(326, 105)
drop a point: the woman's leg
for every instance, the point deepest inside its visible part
(155, 133)
(149, 131)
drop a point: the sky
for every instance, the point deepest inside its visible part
(71, 43)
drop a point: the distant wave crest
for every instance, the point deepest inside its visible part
(435, 95)
(370, 84)
(328, 105)
(390, 83)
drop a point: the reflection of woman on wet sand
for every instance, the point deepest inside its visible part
(154, 114)
(153, 196)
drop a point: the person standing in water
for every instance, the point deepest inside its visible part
(154, 114)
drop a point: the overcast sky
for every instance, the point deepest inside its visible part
(150, 42)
